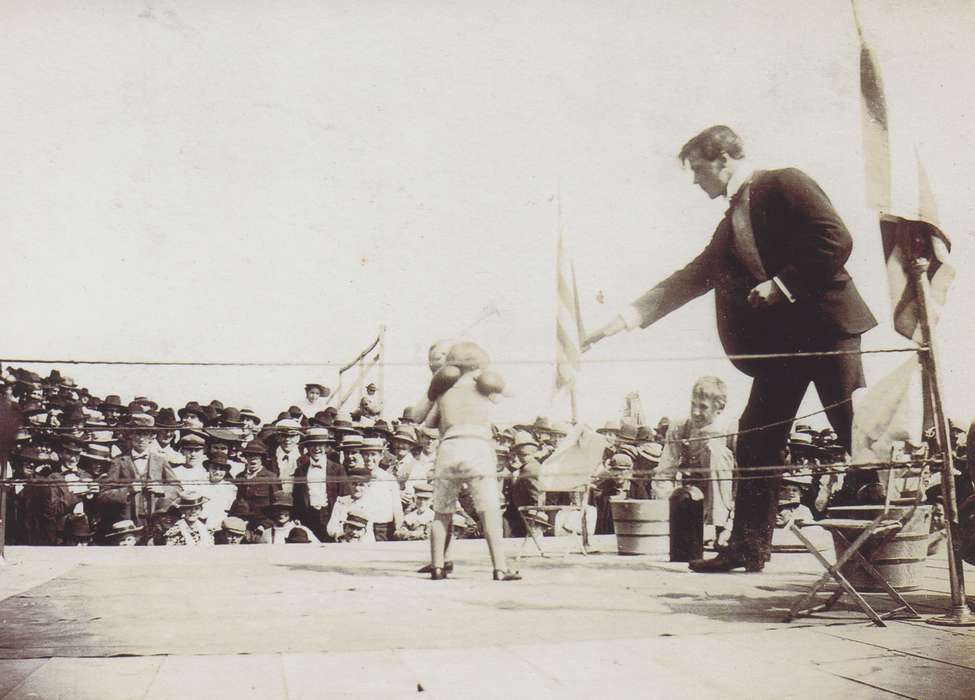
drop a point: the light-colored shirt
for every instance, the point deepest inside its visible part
(381, 499)
(340, 512)
(317, 491)
(287, 463)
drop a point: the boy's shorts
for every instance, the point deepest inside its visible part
(467, 460)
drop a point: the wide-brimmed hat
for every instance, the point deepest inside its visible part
(233, 525)
(254, 447)
(222, 435)
(324, 390)
(523, 437)
(112, 402)
(193, 408)
(191, 440)
(217, 461)
(166, 419)
(191, 499)
(628, 433)
(281, 499)
(404, 433)
(231, 416)
(317, 436)
(373, 445)
(122, 528)
(539, 517)
(77, 527)
(147, 402)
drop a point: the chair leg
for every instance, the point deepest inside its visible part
(833, 571)
(888, 589)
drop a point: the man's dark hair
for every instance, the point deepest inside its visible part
(711, 143)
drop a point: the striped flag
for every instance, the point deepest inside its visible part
(898, 188)
(568, 323)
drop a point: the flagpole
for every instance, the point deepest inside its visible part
(958, 615)
(382, 365)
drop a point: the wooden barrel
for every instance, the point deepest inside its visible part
(901, 560)
(642, 527)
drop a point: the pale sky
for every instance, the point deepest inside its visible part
(216, 180)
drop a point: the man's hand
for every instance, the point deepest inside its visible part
(615, 326)
(765, 294)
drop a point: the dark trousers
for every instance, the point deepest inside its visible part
(384, 531)
(316, 519)
(776, 393)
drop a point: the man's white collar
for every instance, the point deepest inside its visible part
(743, 173)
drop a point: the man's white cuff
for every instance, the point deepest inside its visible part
(785, 290)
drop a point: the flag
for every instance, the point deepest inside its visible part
(568, 322)
(365, 362)
(574, 462)
(899, 189)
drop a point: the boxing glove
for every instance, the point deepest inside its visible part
(442, 380)
(489, 382)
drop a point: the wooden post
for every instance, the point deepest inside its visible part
(958, 615)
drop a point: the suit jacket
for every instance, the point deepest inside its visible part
(334, 486)
(257, 495)
(121, 503)
(801, 240)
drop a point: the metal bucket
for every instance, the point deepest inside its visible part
(642, 527)
(900, 560)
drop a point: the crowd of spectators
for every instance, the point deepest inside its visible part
(90, 470)
(83, 469)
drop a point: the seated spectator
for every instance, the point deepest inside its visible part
(381, 499)
(191, 472)
(318, 482)
(416, 523)
(279, 513)
(164, 515)
(232, 531)
(356, 527)
(77, 531)
(220, 492)
(526, 489)
(189, 530)
(697, 452)
(124, 533)
(256, 484)
(612, 484)
(344, 505)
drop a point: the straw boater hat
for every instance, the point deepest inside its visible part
(191, 499)
(191, 440)
(620, 462)
(248, 414)
(140, 420)
(353, 441)
(287, 425)
(97, 453)
(317, 436)
(651, 451)
(423, 490)
(373, 445)
(122, 528)
(523, 437)
(538, 517)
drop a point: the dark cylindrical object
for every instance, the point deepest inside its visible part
(686, 524)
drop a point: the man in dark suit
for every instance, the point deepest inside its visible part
(139, 478)
(319, 481)
(776, 265)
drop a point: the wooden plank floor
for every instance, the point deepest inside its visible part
(357, 621)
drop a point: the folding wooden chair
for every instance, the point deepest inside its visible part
(551, 511)
(872, 534)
